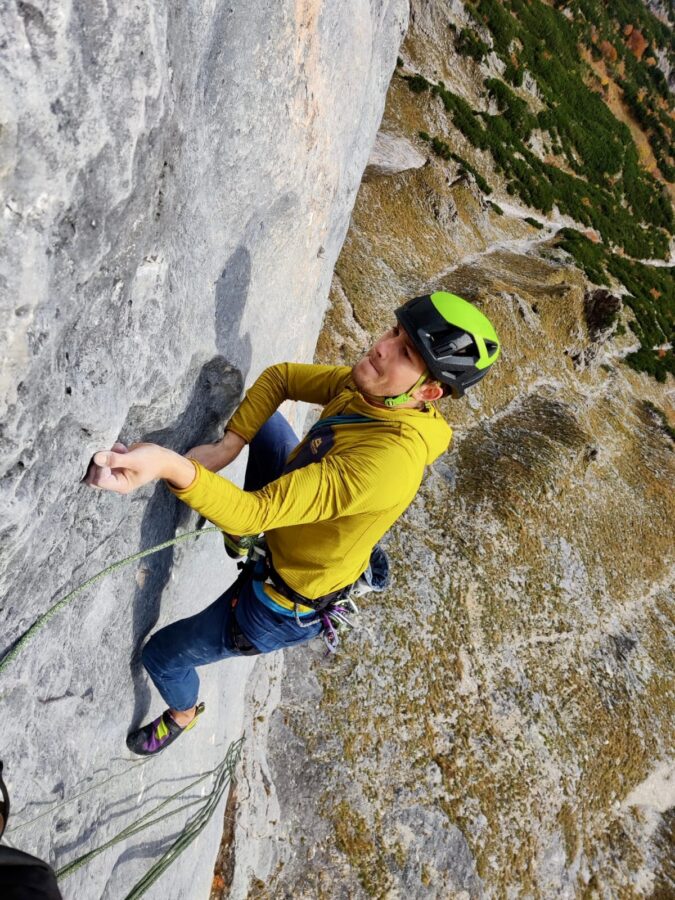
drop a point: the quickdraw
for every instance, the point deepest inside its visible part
(333, 619)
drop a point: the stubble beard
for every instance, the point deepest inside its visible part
(362, 382)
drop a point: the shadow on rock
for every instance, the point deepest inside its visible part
(213, 399)
(231, 298)
(216, 393)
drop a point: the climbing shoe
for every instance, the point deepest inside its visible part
(236, 548)
(157, 735)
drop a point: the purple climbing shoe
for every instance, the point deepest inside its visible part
(157, 735)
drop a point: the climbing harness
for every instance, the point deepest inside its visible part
(333, 609)
(335, 617)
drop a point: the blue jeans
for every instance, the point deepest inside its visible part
(172, 654)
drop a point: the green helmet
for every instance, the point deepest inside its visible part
(457, 341)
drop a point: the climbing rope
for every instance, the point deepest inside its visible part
(223, 773)
(61, 604)
(223, 776)
(61, 803)
(197, 823)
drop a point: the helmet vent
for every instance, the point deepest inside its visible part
(457, 343)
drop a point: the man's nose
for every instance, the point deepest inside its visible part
(383, 346)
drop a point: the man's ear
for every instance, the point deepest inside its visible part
(429, 392)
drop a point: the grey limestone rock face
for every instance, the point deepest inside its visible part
(436, 853)
(177, 182)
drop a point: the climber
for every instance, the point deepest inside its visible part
(323, 504)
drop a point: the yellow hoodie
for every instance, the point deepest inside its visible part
(344, 485)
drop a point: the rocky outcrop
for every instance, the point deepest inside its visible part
(601, 309)
(391, 155)
(177, 184)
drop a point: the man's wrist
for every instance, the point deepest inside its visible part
(229, 448)
(177, 470)
(233, 441)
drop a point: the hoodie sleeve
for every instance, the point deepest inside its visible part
(286, 381)
(330, 489)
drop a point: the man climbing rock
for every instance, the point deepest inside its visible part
(322, 504)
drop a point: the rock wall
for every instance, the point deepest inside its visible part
(177, 184)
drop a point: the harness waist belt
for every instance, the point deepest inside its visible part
(319, 604)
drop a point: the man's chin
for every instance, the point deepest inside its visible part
(359, 376)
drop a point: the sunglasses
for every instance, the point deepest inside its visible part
(4, 803)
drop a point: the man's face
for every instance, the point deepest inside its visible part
(391, 366)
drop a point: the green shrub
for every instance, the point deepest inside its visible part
(469, 44)
(480, 181)
(589, 256)
(606, 188)
(514, 74)
(440, 148)
(515, 110)
(417, 83)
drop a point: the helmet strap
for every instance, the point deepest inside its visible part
(393, 402)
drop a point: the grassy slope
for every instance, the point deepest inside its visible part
(590, 169)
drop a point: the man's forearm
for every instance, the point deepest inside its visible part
(230, 447)
(220, 453)
(286, 381)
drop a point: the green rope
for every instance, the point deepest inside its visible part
(195, 826)
(61, 803)
(57, 607)
(224, 774)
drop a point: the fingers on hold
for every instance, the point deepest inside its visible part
(88, 477)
